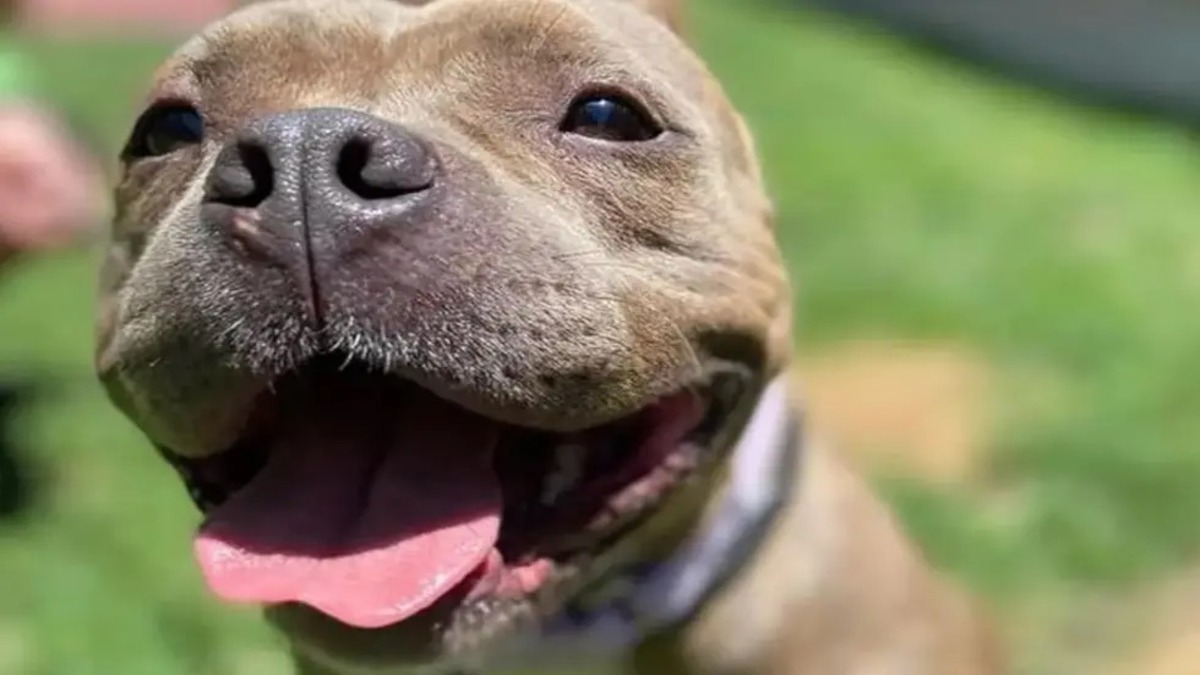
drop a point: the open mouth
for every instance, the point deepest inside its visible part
(368, 498)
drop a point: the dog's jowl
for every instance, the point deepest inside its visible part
(464, 325)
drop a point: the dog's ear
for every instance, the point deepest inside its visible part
(669, 11)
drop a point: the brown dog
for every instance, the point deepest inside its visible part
(464, 323)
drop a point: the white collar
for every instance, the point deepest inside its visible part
(672, 591)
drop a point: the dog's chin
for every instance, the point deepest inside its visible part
(380, 524)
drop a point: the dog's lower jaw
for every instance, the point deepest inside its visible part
(700, 536)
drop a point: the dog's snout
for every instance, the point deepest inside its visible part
(341, 173)
(369, 158)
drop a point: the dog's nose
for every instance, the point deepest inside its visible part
(327, 175)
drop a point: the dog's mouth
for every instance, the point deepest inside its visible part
(369, 498)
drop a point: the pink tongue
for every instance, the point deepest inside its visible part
(369, 522)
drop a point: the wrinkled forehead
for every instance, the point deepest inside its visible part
(405, 57)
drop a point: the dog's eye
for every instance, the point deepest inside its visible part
(610, 118)
(164, 129)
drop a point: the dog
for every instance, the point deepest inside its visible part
(465, 326)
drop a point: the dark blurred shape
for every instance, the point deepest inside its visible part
(18, 477)
(1141, 55)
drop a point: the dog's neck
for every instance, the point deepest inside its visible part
(659, 597)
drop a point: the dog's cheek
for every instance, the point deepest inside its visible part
(638, 199)
(142, 199)
(126, 240)
(114, 270)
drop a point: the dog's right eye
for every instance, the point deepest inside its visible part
(163, 129)
(610, 118)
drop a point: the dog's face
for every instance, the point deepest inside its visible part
(432, 305)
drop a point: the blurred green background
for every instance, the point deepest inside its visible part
(918, 200)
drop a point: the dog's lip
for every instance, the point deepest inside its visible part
(239, 463)
(722, 383)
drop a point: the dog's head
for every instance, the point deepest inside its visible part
(433, 304)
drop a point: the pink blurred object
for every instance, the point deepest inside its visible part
(50, 189)
(157, 16)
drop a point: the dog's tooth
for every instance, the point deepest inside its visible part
(568, 470)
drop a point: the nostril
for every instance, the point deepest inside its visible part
(363, 170)
(242, 177)
(262, 174)
(351, 163)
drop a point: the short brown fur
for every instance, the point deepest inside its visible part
(582, 281)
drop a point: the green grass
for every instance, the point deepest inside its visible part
(922, 199)
(917, 199)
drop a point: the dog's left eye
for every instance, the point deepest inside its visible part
(610, 118)
(164, 129)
